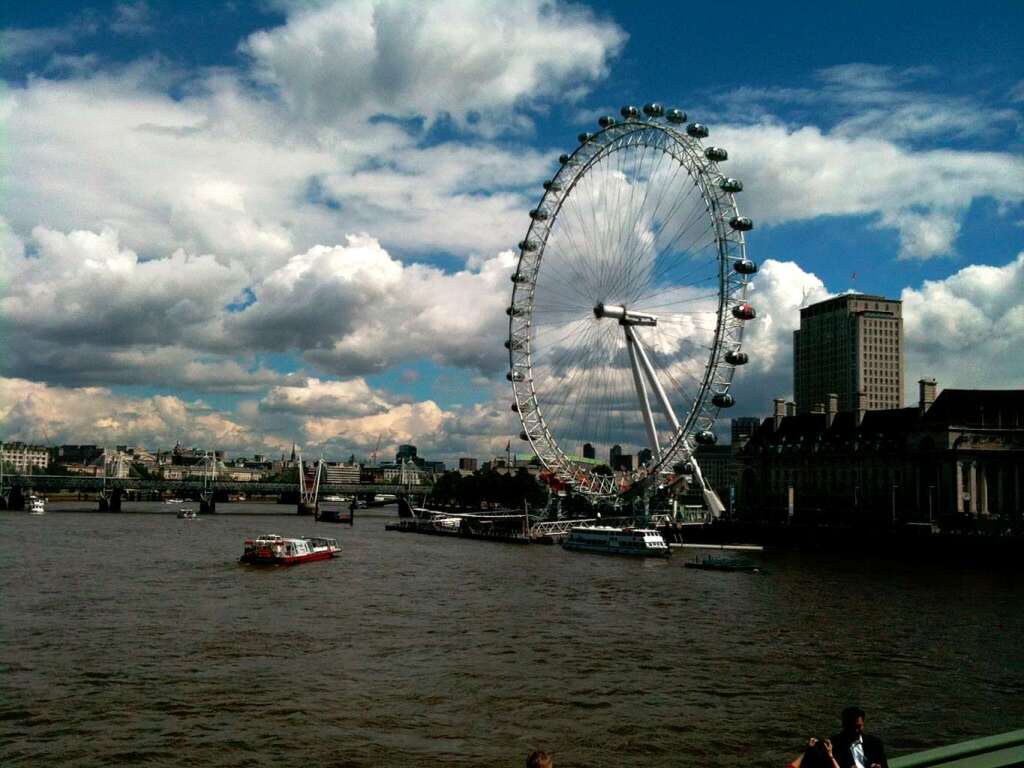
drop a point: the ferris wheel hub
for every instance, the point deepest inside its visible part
(623, 315)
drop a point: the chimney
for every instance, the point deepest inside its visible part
(780, 411)
(833, 408)
(862, 406)
(790, 408)
(926, 388)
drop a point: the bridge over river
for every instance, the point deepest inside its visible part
(110, 490)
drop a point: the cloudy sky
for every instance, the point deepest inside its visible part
(244, 224)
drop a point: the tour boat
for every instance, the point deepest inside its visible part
(639, 542)
(335, 499)
(36, 505)
(173, 501)
(187, 514)
(272, 549)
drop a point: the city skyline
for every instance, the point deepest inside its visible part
(237, 244)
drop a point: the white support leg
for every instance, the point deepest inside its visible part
(715, 505)
(659, 391)
(641, 390)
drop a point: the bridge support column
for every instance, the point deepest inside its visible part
(309, 509)
(111, 501)
(15, 498)
(207, 504)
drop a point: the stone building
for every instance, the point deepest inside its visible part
(23, 457)
(961, 453)
(847, 345)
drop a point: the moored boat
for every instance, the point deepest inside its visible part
(271, 549)
(638, 542)
(174, 500)
(723, 564)
(36, 505)
(187, 514)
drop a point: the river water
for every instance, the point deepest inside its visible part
(138, 639)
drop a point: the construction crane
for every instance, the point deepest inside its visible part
(373, 456)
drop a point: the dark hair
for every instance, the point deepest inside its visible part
(539, 759)
(816, 756)
(850, 714)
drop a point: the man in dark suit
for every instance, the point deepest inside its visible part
(852, 748)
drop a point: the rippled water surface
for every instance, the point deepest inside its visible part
(137, 639)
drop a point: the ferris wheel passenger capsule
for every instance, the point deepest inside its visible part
(585, 137)
(528, 245)
(630, 113)
(552, 186)
(706, 437)
(735, 357)
(515, 407)
(519, 278)
(539, 214)
(744, 311)
(676, 116)
(606, 121)
(697, 130)
(723, 400)
(745, 267)
(741, 223)
(524, 436)
(654, 109)
(514, 376)
(564, 159)
(716, 153)
(730, 185)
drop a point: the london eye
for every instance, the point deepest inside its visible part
(628, 303)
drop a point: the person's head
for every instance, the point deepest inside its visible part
(853, 721)
(539, 759)
(816, 756)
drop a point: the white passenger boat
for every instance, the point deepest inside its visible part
(638, 542)
(36, 505)
(174, 501)
(187, 514)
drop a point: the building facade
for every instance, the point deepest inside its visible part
(23, 458)
(848, 345)
(958, 454)
(467, 464)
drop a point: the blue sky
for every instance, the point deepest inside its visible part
(210, 209)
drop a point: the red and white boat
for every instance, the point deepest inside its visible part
(272, 549)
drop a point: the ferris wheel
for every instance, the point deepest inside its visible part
(628, 305)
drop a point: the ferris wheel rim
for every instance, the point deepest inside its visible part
(719, 199)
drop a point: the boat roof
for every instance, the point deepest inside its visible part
(611, 529)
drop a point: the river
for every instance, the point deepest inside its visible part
(138, 639)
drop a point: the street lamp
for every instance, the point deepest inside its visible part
(930, 489)
(894, 487)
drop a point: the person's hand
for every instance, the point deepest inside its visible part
(876, 765)
(828, 751)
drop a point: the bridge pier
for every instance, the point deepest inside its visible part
(309, 509)
(14, 498)
(207, 504)
(110, 501)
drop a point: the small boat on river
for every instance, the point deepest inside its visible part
(637, 542)
(723, 564)
(187, 514)
(271, 549)
(36, 505)
(174, 501)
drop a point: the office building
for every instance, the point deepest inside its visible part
(742, 428)
(848, 345)
(467, 464)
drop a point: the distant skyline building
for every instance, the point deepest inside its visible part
(741, 428)
(405, 453)
(644, 457)
(614, 455)
(588, 451)
(467, 464)
(848, 345)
